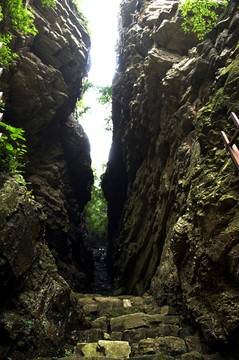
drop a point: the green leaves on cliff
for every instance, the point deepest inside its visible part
(81, 109)
(48, 3)
(22, 19)
(6, 55)
(80, 14)
(200, 16)
(12, 148)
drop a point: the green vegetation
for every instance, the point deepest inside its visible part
(81, 109)
(12, 148)
(68, 352)
(22, 18)
(105, 95)
(5, 53)
(80, 14)
(105, 98)
(96, 214)
(12, 144)
(200, 16)
(48, 3)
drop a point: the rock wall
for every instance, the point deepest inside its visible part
(171, 186)
(43, 242)
(41, 90)
(38, 310)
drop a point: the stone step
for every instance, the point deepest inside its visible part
(167, 345)
(88, 358)
(146, 357)
(122, 327)
(170, 346)
(187, 356)
(112, 306)
(114, 349)
(129, 327)
(139, 320)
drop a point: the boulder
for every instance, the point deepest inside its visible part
(107, 303)
(100, 323)
(90, 349)
(194, 355)
(138, 320)
(115, 349)
(167, 345)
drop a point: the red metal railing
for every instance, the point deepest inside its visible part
(230, 144)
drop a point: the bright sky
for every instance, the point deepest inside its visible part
(102, 16)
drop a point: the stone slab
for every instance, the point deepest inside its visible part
(137, 320)
(114, 349)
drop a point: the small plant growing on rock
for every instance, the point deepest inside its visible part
(5, 54)
(80, 14)
(81, 109)
(22, 18)
(12, 148)
(200, 16)
(48, 3)
(68, 352)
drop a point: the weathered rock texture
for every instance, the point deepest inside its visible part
(171, 186)
(41, 90)
(136, 327)
(37, 307)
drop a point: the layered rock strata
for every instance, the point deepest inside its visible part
(171, 186)
(41, 90)
(37, 308)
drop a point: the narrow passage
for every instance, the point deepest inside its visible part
(103, 23)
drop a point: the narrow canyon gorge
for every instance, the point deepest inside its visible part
(171, 186)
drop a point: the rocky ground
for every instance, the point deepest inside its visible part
(133, 327)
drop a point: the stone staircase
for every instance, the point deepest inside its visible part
(133, 327)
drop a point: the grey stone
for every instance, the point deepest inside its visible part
(115, 349)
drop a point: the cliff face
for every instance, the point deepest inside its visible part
(43, 243)
(41, 90)
(37, 307)
(171, 186)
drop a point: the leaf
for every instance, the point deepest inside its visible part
(3, 124)
(199, 16)
(9, 147)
